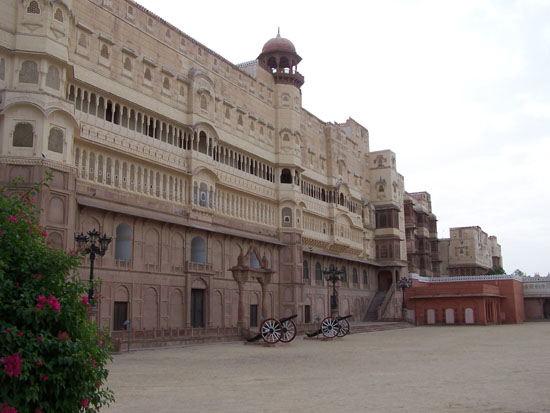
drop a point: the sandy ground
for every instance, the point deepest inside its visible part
(424, 369)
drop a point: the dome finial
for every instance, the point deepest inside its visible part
(278, 31)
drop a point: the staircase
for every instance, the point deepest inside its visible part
(372, 311)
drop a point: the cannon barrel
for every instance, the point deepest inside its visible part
(344, 317)
(315, 333)
(255, 338)
(284, 320)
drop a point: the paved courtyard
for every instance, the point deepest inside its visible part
(424, 369)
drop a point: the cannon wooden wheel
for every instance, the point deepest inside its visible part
(329, 327)
(289, 331)
(344, 328)
(271, 330)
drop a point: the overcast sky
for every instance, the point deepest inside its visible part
(460, 91)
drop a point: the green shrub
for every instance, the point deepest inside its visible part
(52, 358)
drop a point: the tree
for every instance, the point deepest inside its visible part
(496, 271)
(518, 273)
(52, 358)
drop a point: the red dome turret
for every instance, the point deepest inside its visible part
(278, 44)
(280, 58)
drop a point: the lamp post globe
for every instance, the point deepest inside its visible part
(404, 283)
(90, 246)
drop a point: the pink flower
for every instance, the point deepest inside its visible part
(45, 234)
(37, 276)
(100, 343)
(7, 330)
(6, 408)
(28, 220)
(1, 234)
(98, 384)
(63, 335)
(38, 363)
(84, 300)
(12, 219)
(39, 306)
(39, 338)
(38, 410)
(41, 299)
(49, 242)
(44, 377)
(85, 402)
(12, 365)
(20, 333)
(54, 303)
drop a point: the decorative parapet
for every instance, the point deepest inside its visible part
(463, 278)
(536, 286)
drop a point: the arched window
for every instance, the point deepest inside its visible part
(204, 102)
(365, 277)
(166, 83)
(286, 176)
(52, 78)
(23, 135)
(147, 74)
(305, 270)
(202, 142)
(203, 196)
(198, 250)
(105, 51)
(58, 15)
(355, 278)
(318, 272)
(182, 90)
(272, 62)
(123, 244)
(2, 68)
(55, 140)
(33, 8)
(254, 263)
(344, 275)
(283, 62)
(286, 215)
(29, 72)
(82, 41)
(127, 64)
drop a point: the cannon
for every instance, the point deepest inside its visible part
(333, 327)
(272, 331)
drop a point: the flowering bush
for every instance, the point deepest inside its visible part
(52, 358)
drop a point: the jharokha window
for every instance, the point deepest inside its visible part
(33, 8)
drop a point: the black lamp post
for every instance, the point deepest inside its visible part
(404, 283)
(89, 242)
(331, 275)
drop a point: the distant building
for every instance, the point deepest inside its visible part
(421, 235)
(481, 299)
(469, 251)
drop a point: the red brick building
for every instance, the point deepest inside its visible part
(485, 299)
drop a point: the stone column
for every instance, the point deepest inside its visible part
(240, 314)
(264, 280)
(240, 274)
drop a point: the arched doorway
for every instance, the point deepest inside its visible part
(384, 280)
(546, 308)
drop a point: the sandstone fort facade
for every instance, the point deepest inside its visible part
(225, 198)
